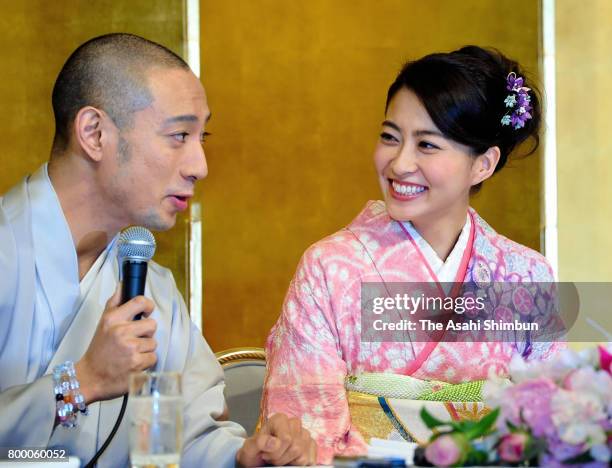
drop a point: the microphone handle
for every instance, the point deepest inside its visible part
(134, 275)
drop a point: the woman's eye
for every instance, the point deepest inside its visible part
(203, 136)
(388, 138)
(182, 136)
(427, 145)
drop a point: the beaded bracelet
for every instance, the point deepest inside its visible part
(68, 398)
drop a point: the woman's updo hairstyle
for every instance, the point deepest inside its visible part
(464, 93)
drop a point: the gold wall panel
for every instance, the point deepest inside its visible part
(36, 37)
(297, 91)
(584, 147)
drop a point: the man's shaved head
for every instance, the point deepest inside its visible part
(109, 73)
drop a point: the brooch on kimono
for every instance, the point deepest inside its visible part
(518, 102)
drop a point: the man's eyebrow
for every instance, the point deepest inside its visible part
(184, 118)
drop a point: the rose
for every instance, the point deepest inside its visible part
(447, 450)
(512, 446)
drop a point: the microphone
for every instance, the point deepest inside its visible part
(136, 248)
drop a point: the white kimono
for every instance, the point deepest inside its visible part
(47, 317)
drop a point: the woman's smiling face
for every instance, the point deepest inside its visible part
(423, 174)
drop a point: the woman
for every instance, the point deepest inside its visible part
(452, 120)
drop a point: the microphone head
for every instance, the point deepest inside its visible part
(136, 243)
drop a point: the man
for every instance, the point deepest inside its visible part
(130, 116)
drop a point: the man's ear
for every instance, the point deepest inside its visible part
(485, 164)
(91, 126)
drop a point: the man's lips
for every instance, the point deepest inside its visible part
(180, 201)
(182, 196)
(406, 190)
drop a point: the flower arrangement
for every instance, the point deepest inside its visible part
(552, 413)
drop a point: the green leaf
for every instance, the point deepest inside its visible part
(456, 425)
(477, 457)
(483, 426)
(521, 418)
(490, 418)
(468, 425)
(431, 421)
(511, 426)
(584, 457)
(534, 448)
(439, 434)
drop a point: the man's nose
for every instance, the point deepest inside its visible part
(197, 168)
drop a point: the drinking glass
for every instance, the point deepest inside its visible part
(155, 413)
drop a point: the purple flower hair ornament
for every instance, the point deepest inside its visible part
(517, 101)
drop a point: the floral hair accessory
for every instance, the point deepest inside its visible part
(518, 102)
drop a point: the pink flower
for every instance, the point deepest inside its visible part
(447, 450)
(578, 415)
(598, 383)
(530, 399)
(512, 446)
(605, 359)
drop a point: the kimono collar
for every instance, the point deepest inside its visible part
(444, 270)
(54, 250)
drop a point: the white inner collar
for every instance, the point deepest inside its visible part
(446, 271)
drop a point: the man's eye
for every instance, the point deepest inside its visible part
(203, 136)
(388, 138)
(182, 136)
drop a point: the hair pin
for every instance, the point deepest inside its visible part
(517, 101)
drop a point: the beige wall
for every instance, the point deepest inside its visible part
(36, 37)
(584, 148)
(297, 92)
(584, 143)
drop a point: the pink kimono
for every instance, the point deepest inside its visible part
(316, 342)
